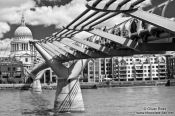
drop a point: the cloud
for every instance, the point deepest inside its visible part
(5, 4)
(41, 15)
(5, 47)
(56, 15)
(4, 27)
(12, 13)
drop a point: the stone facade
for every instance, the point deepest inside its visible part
(11, 70)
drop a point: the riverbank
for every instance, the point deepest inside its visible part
(95, 85)
(92, 85)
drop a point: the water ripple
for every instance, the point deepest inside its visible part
(98, 102)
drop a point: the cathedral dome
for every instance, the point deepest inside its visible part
(23, 32)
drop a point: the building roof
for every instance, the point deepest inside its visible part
(22, 32)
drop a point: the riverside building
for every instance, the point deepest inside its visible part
(133, 68)
(171, 67)
(11, 71)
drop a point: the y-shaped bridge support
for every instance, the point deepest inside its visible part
(68, 96)
(36, 73)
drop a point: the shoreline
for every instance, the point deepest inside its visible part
(92, 85)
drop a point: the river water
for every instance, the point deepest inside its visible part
(125, 101)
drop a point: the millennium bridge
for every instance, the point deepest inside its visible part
(142, 32)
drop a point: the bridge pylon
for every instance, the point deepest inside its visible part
(68, 96)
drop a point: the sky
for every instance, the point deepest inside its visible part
(41, 18)
(43, 21)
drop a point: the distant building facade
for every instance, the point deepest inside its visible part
(171, 67)
(135, 68)
(11, 71)
(98, 69)
(49, 76)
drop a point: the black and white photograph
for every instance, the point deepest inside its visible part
(87, 57)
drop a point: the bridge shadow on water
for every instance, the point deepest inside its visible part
(40, 105)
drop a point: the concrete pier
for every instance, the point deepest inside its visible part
(69, 98)
(36, 85)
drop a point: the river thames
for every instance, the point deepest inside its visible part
(124, 101)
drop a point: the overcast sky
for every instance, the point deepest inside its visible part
(42, 21)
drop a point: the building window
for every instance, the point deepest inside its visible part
(8, 68)
(14, 69)
(91, 72)
(26, 59)
(26, 46)
(91, 77)
(91, 68)
(22, 46)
